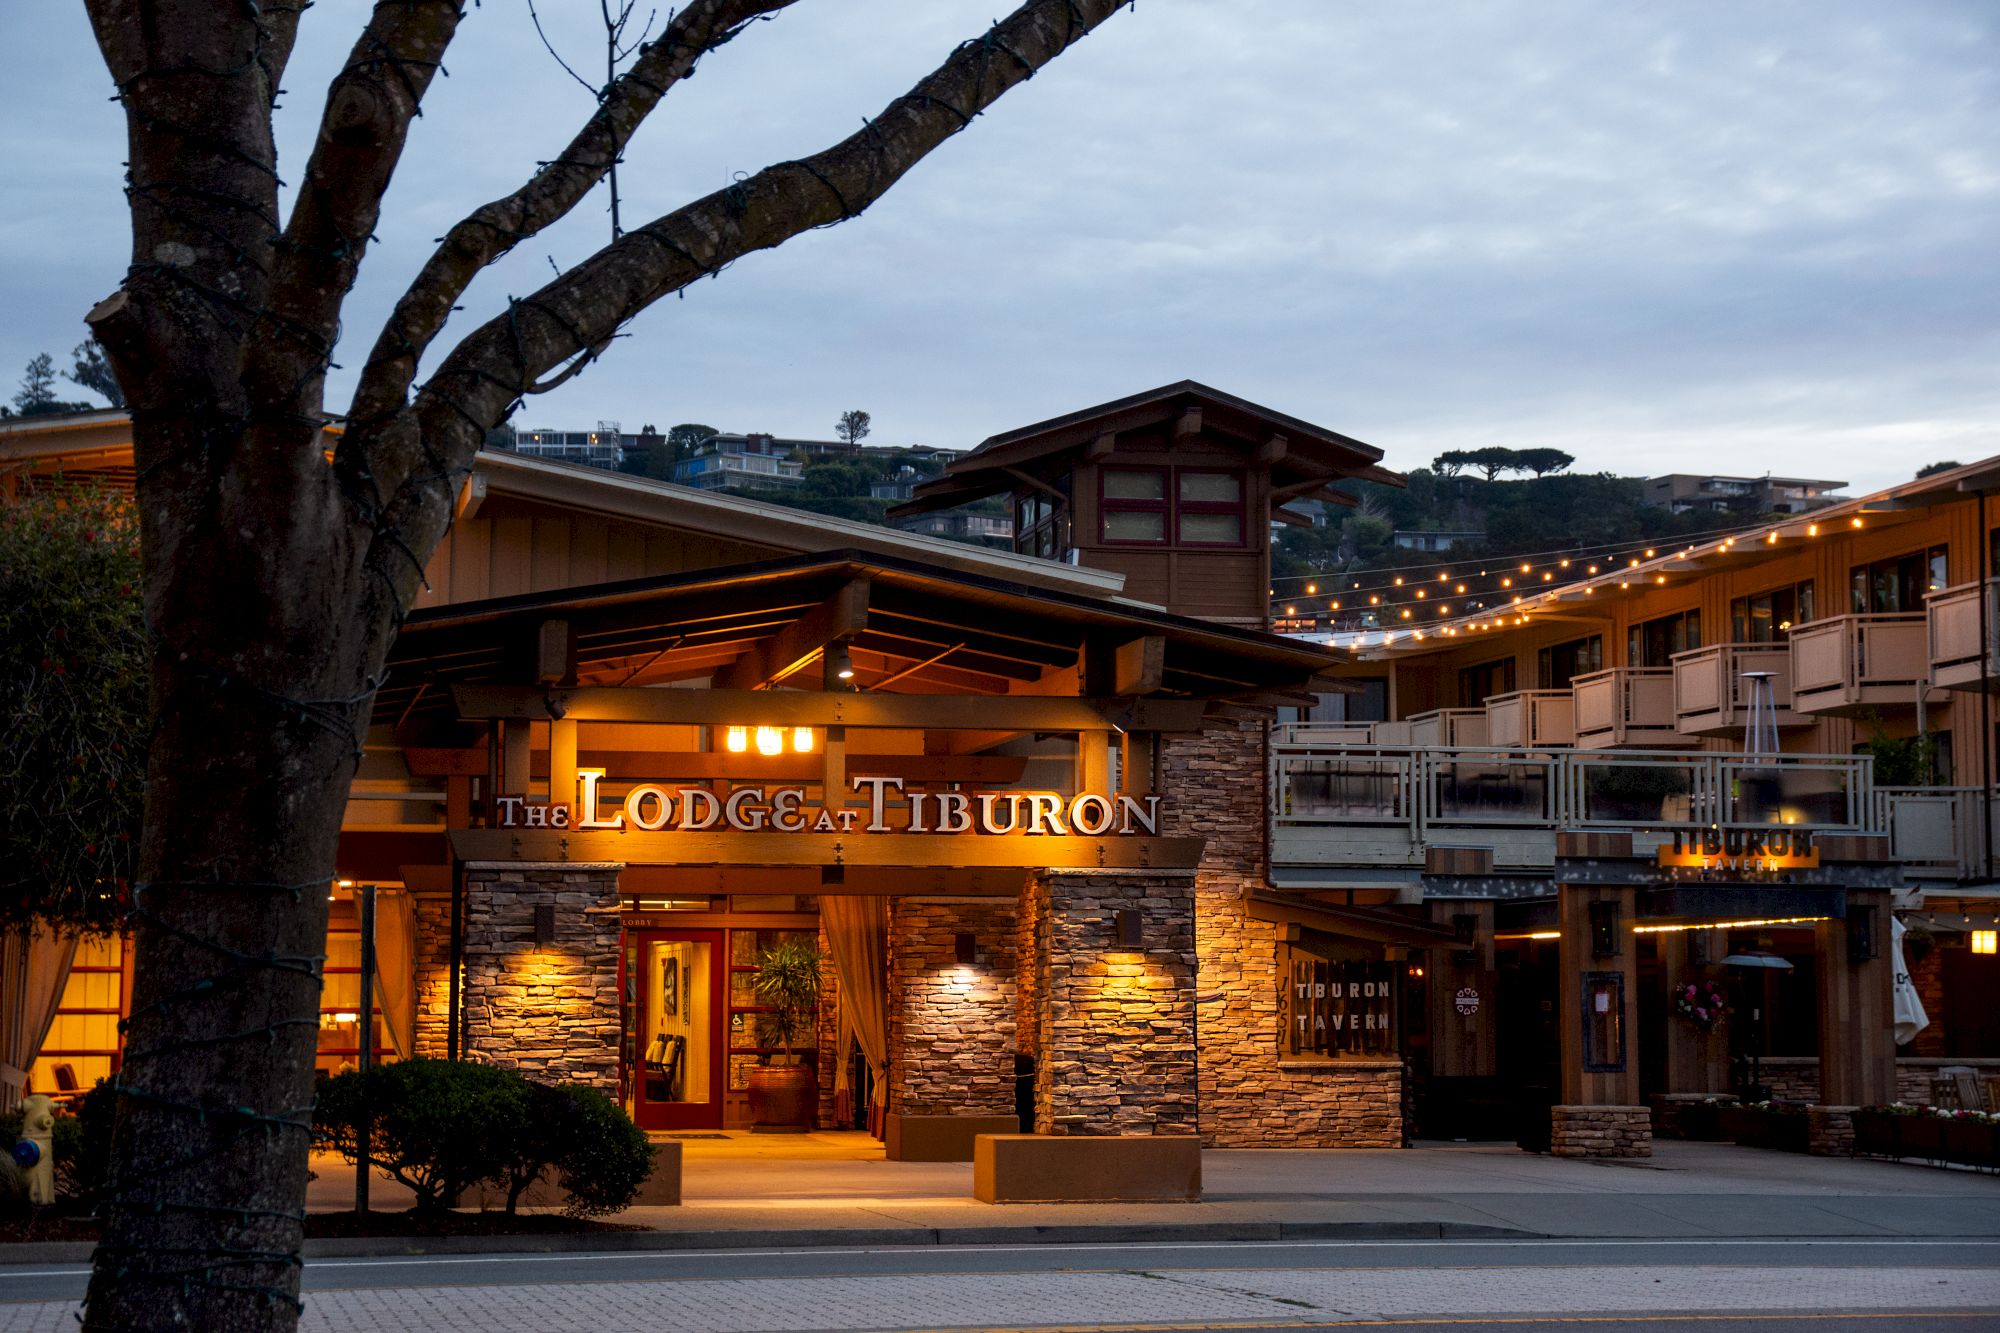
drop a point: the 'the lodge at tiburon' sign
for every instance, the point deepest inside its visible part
(652, 808)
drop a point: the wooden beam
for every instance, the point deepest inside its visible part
(1189, 423)
(654, 765)
(1139, 665)
(915, 850)
(1272, 450)
(841, 616)
(555, 652)
(1093, 762)
(1101, 447)
(1290, 519)
(803, 708)
(1033, 482)
(562, 761)
(513, 757)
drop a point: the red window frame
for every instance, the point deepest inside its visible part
(1238, 508)
(1107, 505)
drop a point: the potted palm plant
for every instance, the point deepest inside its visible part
(784, 1092)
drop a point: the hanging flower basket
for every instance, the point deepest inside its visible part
(1699, 1004)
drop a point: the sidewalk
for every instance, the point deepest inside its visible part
(832, 1189)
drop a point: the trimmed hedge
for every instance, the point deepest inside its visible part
(442, 1126)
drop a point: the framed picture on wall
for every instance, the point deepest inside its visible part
(670, 988)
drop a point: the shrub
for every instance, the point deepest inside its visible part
(605, 1158)
(440, 1126)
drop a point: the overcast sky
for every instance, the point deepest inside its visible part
(1687, 237)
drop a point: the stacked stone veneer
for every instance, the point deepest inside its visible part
(550, 1011)
(951, 1024)
(1213, 786)
(432, 960)
(1114, 1022)
(1601, 1131)
(1830, 1131)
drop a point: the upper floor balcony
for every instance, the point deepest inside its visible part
(1851, 664)
(1960, 618)
(1531, 719)
(1448, 726)
(1711, 696)
(1627, 708)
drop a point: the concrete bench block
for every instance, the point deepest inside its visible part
(663, 1187)
(939, 1138)
(1086, 1168)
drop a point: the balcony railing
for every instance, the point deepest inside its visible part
(1956, 661)
(1711, 698)
(1449, 727)
(1359, 806)
(1627, 708)
(1531, 719)
(1851, 664)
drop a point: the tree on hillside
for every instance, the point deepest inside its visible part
(1541, 462)
(1932, 469)
(1492, 460)
(853, 426)
(1448, 463)
(90, 369)
(37, 394)
(687, 439)
(275, 578)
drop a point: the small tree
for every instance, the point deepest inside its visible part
(1932, 469)
(853, 426)
(93, 372)
(686, 439)
(788, 981)
(73, 687)
(37, 395)
(1541, 462)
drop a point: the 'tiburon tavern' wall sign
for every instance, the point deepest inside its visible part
(651, 808)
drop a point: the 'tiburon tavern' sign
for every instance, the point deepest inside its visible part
(651, 808)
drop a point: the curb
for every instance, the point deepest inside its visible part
(807, 1238)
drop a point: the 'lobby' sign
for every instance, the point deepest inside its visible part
(651, 808)
(1740, 850)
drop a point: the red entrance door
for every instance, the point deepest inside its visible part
(678, 1026)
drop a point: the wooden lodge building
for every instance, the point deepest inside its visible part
(1065, 872)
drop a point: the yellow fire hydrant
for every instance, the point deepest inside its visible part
(35, 1154)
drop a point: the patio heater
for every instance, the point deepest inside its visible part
(1758, 786)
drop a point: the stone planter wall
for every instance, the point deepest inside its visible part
(951, 1025)
(1213, 786)
(1115, 1022)
(1688, 1115)
(1830, 1131)
(550, 1011)
(1601, 1131)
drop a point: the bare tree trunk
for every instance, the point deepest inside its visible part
(275, 582)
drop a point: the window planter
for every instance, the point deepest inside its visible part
(1702, 1122)
(1784, 1130)
(1875, 1134)
(1969, 1142)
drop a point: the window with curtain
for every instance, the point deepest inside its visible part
(1210, 509)
(1899, 583)
(1771, 615)
(1561, 663)
(1134, 505)
(1477, 684)
(1653, 643)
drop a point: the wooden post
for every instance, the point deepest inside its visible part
(1592, 976)
(1463, 1045)
(833, 778)
(365, 902)
(1136, 752)
(1093, 762)
(1697, 1061)
(514, 772)
(1857, 1045)
(562, 762)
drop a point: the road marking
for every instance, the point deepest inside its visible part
(1493, 1319)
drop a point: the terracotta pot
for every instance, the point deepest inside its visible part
(783, 1099)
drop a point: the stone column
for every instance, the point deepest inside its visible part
(1857, 1050)
(1116, 1020)
(951, 1028)
(549, 1009)
(432, 960)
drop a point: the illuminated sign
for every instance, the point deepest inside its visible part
(1740, 850)
(651, 808)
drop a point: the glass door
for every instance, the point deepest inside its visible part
(677, 1007)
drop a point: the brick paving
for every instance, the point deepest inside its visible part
(1027, 1300)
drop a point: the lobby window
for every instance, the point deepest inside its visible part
(1477, 684)
(1210, 508)
(1135, 505)
(1557, 665)
(1653, 643)
(1899, 583)
(1041, 526)
(1334, 1009)
(1768, 617)
(82, 1046)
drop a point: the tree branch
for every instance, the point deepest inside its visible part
(494, 229)
(362, 133)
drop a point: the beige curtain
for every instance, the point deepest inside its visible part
(34, 968)
(857, 933)
(395, 967)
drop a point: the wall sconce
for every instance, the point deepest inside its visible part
(770, 740)
(839, 663)
(1604, 930)
(964, 948)
(737, 739)
(1698, 947)
(1986, 941)
(1131, 928)
(545, 923)
(1860, 934)
(802, 740)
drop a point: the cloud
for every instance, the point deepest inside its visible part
(1739, 237)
